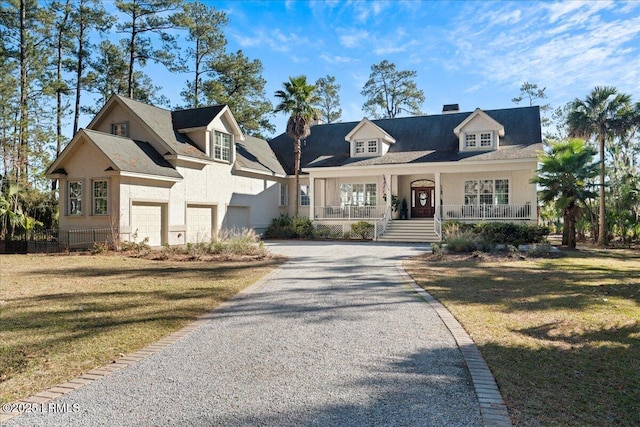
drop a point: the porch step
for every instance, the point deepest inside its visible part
(412, 230)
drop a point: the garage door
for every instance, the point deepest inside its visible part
(237, 217)
(147, 220)
(199, 224)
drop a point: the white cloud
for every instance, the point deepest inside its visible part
(336, 59)
(353, 39)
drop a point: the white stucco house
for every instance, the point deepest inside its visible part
(182, 176)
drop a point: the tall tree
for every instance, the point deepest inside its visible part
(87, 15)
(237, 82)
(532, 93)
(565, 174)
(204, 25)
(146, 18)
(599, 115)
(388, 92)
(297, 99)
(328, 99)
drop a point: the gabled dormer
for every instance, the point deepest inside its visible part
(479, 132)
(213, 129)
(367, 139)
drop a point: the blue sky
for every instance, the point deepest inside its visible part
(474, 53)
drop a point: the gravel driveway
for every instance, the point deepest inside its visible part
(332, 338)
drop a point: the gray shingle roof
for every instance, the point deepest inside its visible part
(254, 153)
(195, 117)
(420, 139)
(132, 156)
(160, 120)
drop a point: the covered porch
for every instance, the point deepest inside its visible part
(435, 196)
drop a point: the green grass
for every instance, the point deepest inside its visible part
(562, 336)
(62, 315)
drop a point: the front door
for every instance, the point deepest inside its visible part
(423, 204)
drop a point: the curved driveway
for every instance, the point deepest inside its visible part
(334, 337)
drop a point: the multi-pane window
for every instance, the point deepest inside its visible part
(486, 192)
(470, 140)
(120, 129)
(485, 139)
(284, 199)
(372, 146)
(358, 194)
(359, 147)
(304, 195)
(100, 197)
(222, 146)
(75, 198)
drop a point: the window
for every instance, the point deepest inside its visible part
(358, 194)
(470, 140)
(485, 139)
(304, 195)
(486, 192)
(100, 197)
(284, 199)
(222, 146)
(372, 147)
(75, 198)
(359, 147)
(120, 129)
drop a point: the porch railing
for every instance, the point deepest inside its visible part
(380, 226)
(448, 212)
(349, 212)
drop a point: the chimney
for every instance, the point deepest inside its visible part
(450, 108)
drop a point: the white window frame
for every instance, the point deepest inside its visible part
(359, 147)
(222, 142)
(284, 194)
(372, 147)
(480, 140)
(96, 198)
(305, 195)
(74, 199)
(359, 194)
(481, 187)
(120, 129)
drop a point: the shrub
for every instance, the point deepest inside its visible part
(135, 246)
(362, 230)
(462, 241)
(286, 227)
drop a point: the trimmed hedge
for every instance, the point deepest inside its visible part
(488, 234)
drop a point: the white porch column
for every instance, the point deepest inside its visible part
(438, 191)
(312, 198)
(534, 200)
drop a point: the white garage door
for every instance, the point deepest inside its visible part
(237, 217)
(147, 220)
(199, 224)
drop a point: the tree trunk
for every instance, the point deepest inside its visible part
(79, 68)
(565, 229)
(602, 224)
(22, 173)
(196, 82)
(296, 152)
(59, 107)
(132, 56)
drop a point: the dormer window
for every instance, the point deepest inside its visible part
(222, 146)
(120, 129)
(359, 147)
(372, 147)
(366, 147)
(367, 139)
(478, 140)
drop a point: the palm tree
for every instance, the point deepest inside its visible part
(564, 175)
(600, 115)
(297, 99)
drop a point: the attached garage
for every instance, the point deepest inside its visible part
(200, 223)
(237, 217)
(147, 219)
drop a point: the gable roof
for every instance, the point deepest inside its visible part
(195, 117)
(158, 121)
(420, 139)
(368, 123)
(254, 154)
(125, 154)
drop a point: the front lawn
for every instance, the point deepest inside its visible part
(63, 315)
(562, 335)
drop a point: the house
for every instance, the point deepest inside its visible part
(471, 166)
(182, 176)
(170, 176)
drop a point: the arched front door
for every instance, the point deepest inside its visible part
(423, 199)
